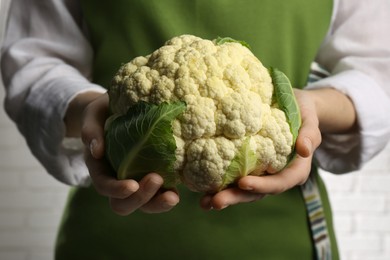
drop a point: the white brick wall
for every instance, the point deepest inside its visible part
(31, 203)
(361, 205)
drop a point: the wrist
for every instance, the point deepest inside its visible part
(335, 111)
(74, 112)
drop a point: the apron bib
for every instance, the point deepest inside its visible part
(282, 34)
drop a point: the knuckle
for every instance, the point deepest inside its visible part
(119, 209)
(101, 189)
(140, 199)
(86, 133)
(122, 191)
(279, 190)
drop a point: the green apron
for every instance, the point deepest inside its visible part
(283, 34)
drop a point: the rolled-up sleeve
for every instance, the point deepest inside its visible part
(45, 62)
(357, 54)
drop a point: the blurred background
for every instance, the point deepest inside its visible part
(31, 201)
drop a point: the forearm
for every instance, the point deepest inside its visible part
(359, 72)
(335, 110)
(42, 76)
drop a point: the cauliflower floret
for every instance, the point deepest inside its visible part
(188, 65)
(276, 127)
(179, 153)
(239, 114)
(198, 119)
(206, 162)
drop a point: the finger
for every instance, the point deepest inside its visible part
(104, 181)
(148, 188)
(308, 140)
(229, 197)
(296, 174)
(309, 137)
(205, 202)
(92, 131)
(162, 202)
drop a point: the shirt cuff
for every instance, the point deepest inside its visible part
(343, 153)
(43, 126)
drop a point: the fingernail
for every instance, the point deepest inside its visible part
(247, 188)
(92, 146)
(223, 207)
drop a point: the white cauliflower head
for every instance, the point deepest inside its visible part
(230, 110)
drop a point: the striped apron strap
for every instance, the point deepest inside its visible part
(312, 197)
(317, 219)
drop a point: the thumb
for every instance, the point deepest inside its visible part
(309, 137)
(92, 131)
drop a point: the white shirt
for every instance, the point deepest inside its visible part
(46, 61)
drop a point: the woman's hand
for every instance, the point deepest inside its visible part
(125, 196)
(251, 188)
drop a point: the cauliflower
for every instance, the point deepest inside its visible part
(200, 112)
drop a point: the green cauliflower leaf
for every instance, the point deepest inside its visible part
(142, 141)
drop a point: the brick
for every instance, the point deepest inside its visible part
(374, 223)
(11, 220)
(356, 202)
(13, 255)
(386, 244)
(368, 257)
(5, 121)
(380, 163)
(17, 157)
(9, 178)
(10, 137)
(360, 243)
(388, 204)
(26, 239)
(338, 183)
(24, 199)
(375, 183)
(343, 223)
(49, 255)
(39, 178)
(44, 220)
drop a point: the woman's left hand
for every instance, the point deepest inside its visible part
(251, 188)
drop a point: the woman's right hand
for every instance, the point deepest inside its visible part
(125, 196)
